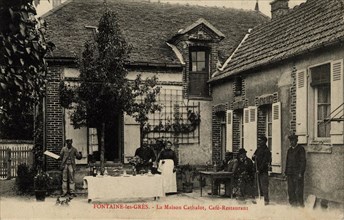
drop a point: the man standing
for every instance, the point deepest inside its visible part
(146, 154)
(295, 169)
(68, 155)
(245, 174)
(262, 158)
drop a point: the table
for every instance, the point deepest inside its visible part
(110, 187)
(216, 175)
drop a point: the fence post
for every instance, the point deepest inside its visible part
(8, 161)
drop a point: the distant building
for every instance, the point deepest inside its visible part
(182, 45)
(287, 76)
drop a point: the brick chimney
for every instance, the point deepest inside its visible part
(279, 8)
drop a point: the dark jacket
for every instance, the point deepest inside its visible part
(169, 154)
(145, 153)
(245, 168)
(296, 161)
(73, 152)
(262, 156)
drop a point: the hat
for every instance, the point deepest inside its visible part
(262, 137)
(242, 151)
(293, 136)
(69, 140)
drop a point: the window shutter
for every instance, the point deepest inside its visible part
(252, 135)
(276, 138)
(301, 106)
(337, 99)
(246, 128)
(229, 131)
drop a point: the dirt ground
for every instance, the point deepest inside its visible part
(177, 206)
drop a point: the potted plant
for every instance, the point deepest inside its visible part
(41, 184)
(188, 173)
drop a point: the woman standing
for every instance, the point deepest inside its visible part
(167, 162)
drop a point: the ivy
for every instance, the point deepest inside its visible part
(22, 51)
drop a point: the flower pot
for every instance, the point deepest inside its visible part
(187, 187)
(40, 195)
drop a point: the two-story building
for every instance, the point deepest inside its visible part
(180, 44)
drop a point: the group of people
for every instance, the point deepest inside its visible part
(251, 175)
(245, 170)
(162, 161)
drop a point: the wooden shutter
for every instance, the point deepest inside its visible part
(252, 136)
(337, 99)
(229, 130)
(301, 106)
(276, 138)
(246, 122)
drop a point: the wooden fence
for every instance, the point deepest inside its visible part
(10, 158)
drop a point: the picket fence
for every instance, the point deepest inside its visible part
(10, 158)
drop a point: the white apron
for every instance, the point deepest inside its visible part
(170, 179)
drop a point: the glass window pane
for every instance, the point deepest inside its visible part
(269, 129)
(193, 56)
(194, 66)
(200, 66)
(201, 56)
(269, 115)
(320, 74)
(324, 94)
(321, 129)
(321, 112)
(324, 129)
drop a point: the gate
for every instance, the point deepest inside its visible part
(10, 158)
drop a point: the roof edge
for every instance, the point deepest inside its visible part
(53, 10)
(224, 76)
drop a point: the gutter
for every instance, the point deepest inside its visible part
(142, 64)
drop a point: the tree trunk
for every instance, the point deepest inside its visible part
(102, 149)
(101, 142)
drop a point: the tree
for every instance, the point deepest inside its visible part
(22, 51)
(22, 65)
(104, 91)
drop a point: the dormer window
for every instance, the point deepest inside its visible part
(199, 72)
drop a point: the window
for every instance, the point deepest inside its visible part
(322, 99)
(238, 86)
(268, 126)
(198, 61)
(199, 72)
(239, 128)
(223, 134)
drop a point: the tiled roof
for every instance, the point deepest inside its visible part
(147, 26)
(311, 25)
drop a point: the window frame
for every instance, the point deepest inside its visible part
(204, 74)
(240, 115)
(223, 132)
(313, 97)
(315, 117)
(267, 111)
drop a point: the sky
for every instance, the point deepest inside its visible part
(264, 5)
